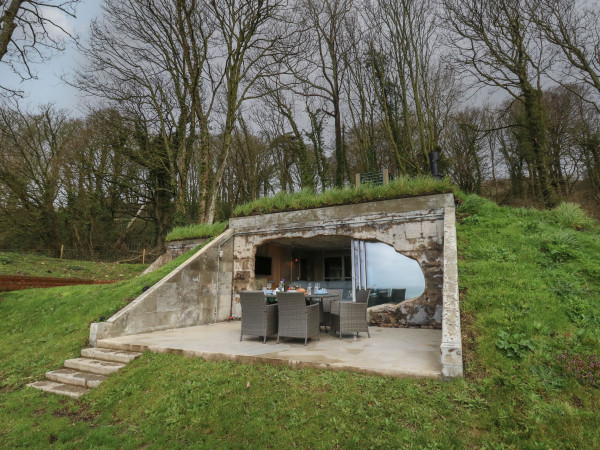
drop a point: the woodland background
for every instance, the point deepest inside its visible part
(191, 107)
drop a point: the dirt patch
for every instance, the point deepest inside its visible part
(469, 343)
(18, 282)
(81, 414)
(577, 402)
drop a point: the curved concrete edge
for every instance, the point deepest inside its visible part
(139, 316)
(451, 347)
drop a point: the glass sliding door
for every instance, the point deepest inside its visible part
(391, 276)
(359, 266)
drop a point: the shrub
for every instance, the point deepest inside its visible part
(571, 215)
(473, 204)
(559, 246)
(514, 345)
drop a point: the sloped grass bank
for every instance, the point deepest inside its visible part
(530, 288)
(26, 264)
(43, 327)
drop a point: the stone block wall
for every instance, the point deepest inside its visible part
(190, 295)
(173, 250)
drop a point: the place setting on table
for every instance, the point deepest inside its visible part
(312, 293)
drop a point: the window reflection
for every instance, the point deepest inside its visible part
(391, 276)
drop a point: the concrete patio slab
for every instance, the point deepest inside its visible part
(396, 352)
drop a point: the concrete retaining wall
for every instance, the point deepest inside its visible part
(451, 348)
(173, 250)
(187, 296)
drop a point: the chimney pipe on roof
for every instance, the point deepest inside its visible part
(434, 157)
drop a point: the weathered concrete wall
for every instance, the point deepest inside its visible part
(173, 250)
(413, 226)
(451, 348)
(190, 295)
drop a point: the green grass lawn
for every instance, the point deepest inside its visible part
(28, 264)
(530, 291)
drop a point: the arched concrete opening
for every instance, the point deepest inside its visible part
(415, 233)
(340, 262)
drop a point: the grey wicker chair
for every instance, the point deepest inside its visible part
(362, 295)
(350, 317)
(296, 319)
(258, 318)
(325, 310)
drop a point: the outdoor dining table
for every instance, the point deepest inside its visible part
(310, 297)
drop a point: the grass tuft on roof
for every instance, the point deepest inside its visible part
(306, 199)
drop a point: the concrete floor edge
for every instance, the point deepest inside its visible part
(390, 352)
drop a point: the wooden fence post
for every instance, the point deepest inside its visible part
(357, 180)
(386, 176)
(144, 257)
(62, 249)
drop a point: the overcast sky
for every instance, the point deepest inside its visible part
(49, 88)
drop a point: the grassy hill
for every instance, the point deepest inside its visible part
(530, 298)
(27, 264)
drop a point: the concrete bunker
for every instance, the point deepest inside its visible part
(205, 289)
(421, 228)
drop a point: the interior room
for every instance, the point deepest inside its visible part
(339, 262)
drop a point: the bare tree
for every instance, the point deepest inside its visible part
(29, 33)
(498, 44)
(319, 65)
(248, 175)
(279, 117)
(150, 60)
(361, 101)
(415, 90)
(248, 34)
(34, 150)
(573, 26)
(465, 150)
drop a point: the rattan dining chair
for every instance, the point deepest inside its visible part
(258, 318)
(325, 310)
(351, 317)
(296, 318)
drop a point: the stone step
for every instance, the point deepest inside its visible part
(122, 346)
(59, 388)
(93, 365)
(75, 377)
(107, 354)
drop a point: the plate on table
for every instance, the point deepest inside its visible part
(321, 291)
(268, 292)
